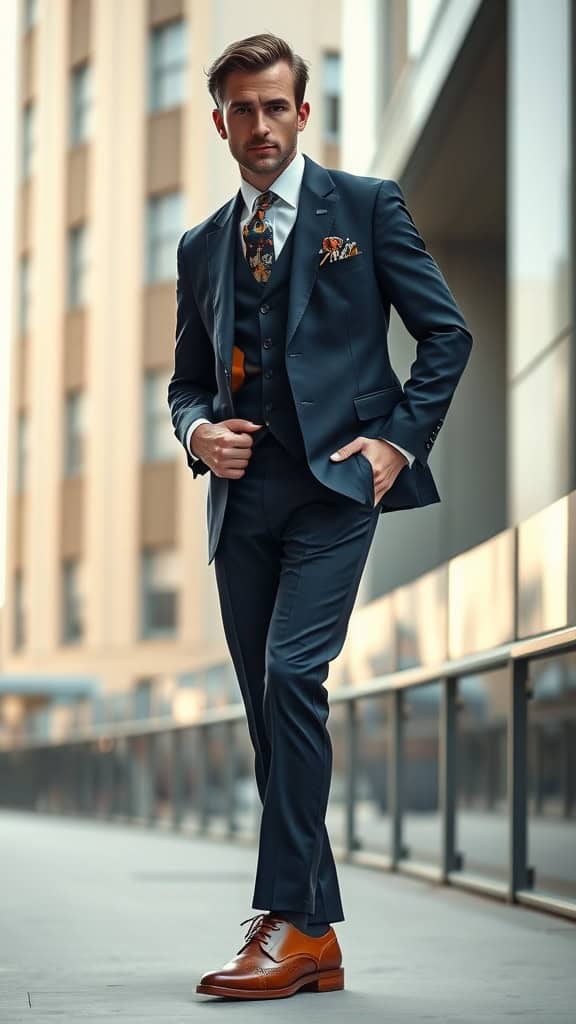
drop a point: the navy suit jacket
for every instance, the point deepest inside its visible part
(336, 355)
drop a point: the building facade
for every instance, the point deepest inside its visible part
(106, 566)
(469, 104)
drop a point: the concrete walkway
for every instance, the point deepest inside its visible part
(101, 921)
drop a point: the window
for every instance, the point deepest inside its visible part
(30, 13)
(24, 296)
(80, 103)
(72, 602)
(160, 572)
(165, 218)
(77, 266)
(74, 433)
(19, 610)
(22, 451)
(167, 65)
(28, 121)
(158, 436)
(331, 89)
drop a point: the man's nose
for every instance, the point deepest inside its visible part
(259, 126)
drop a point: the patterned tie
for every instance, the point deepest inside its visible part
(259, 238)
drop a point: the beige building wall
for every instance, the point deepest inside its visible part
(119, 503)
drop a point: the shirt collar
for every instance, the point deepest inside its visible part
(287, 185)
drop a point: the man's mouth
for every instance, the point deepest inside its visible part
(262, 149)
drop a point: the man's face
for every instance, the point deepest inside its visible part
(260, 120)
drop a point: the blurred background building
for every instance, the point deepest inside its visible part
(106, 571)
(458, 676)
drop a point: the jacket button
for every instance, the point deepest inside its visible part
(268, 374)
(264, 308)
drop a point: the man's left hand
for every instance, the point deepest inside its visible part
(385, 459)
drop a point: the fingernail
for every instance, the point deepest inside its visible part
(335, 455)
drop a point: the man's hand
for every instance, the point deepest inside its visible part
(225, 447)
(385, 459)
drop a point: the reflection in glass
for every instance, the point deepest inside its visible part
(372, 826)
(420, 611)
(543, 568)
(552, 774)
(539, 469)
(481, 787)
(369, 648)
(421, 818)
(481, 587)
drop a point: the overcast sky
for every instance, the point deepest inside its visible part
(7, 170)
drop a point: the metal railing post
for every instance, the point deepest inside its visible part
(518, 873)
(230, 778)
(150, 761)
(203, 809)
(177, 779)
(395, 784)
(447, 775)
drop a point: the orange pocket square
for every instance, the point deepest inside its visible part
(335, 249)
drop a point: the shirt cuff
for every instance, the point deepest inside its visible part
(408, 455)
(189, 432)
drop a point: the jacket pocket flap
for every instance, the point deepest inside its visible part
(377, 403)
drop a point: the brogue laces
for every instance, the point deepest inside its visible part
(260, 928)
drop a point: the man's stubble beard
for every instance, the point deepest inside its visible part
(276, 168)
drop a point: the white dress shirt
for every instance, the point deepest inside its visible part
(282, 214)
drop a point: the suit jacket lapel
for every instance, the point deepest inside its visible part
(317, 193)
(220, 244)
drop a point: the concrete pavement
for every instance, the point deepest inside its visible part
(102, 921)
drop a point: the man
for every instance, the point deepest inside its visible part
(284, 392)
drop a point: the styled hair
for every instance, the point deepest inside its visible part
(253, 54)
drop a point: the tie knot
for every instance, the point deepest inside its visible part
(265, 200)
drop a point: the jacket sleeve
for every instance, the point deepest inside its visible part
(410, 279)
(193, 382)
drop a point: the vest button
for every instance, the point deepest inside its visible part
(268, 407)
(268, 374)
(267, 342)
(264, 308)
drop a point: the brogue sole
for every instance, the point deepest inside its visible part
(321, 981)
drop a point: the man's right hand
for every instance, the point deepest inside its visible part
(225, 447)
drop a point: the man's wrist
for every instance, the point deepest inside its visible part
(195, 423)
(407, 455)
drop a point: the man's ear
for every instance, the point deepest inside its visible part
(303, 115)
(219, 122)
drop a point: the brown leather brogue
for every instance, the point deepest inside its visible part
(277, 960)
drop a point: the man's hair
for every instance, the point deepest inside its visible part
(253, 54)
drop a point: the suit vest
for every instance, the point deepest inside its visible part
(260, 319)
